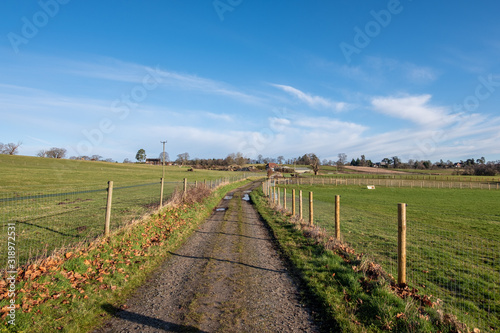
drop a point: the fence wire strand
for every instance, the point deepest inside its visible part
(453, 247)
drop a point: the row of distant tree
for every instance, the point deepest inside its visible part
(185, 159)
(470, 166)
(56, 152)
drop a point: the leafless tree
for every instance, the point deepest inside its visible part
(341, 161)
(315, 163)
(240, 159)
(42, 153)
(167, 158)
(10, 148)
(55, 152)
(183, 158)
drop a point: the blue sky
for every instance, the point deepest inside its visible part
(414, 79)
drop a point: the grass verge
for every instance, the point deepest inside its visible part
(86, 280)
(348, 293)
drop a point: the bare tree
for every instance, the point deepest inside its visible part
(10, 148)
(231, 159)
(167, 158)
(240, 159)
(315, 163)
(341, 161)
(55, 152)
(183, 158)
(42, 153)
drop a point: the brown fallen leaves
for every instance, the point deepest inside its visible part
(44, 280)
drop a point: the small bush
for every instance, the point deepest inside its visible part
(192, 195)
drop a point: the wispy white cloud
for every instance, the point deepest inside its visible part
(329, 124)
(116, 70)
(379, 71)
(218, 116)
(313, 101)
(414, 108)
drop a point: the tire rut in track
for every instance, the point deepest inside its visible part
(227, 277)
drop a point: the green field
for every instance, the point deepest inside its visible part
(55, 203)
(453, 240)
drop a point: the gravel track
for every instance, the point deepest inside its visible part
(227, 277)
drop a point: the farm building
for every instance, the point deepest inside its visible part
(271, 166)
(153, 161)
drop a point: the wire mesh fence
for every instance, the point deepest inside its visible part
(46, 220)
(453, 239)
(399, 181)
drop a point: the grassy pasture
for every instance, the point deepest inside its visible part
(453, 240)
(55, 203)
(439, 175)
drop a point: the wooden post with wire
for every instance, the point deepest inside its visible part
(161, 192)
(284, 198)
(402, 244)
(293, 202)
(337, 217)
(300, 206)
(311, 209)
(108, 208)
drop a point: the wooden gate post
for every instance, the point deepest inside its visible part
(402, 244)
(108, 208)
(337, 216)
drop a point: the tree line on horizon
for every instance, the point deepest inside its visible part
(471, 166)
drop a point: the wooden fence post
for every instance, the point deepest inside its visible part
(293, 202)
(161, 192)
(279, 198)
(311, 209)
(337, 216)
(300, 206)
(185, 187)
(402, 244)
(284, 198)
(108, 208)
